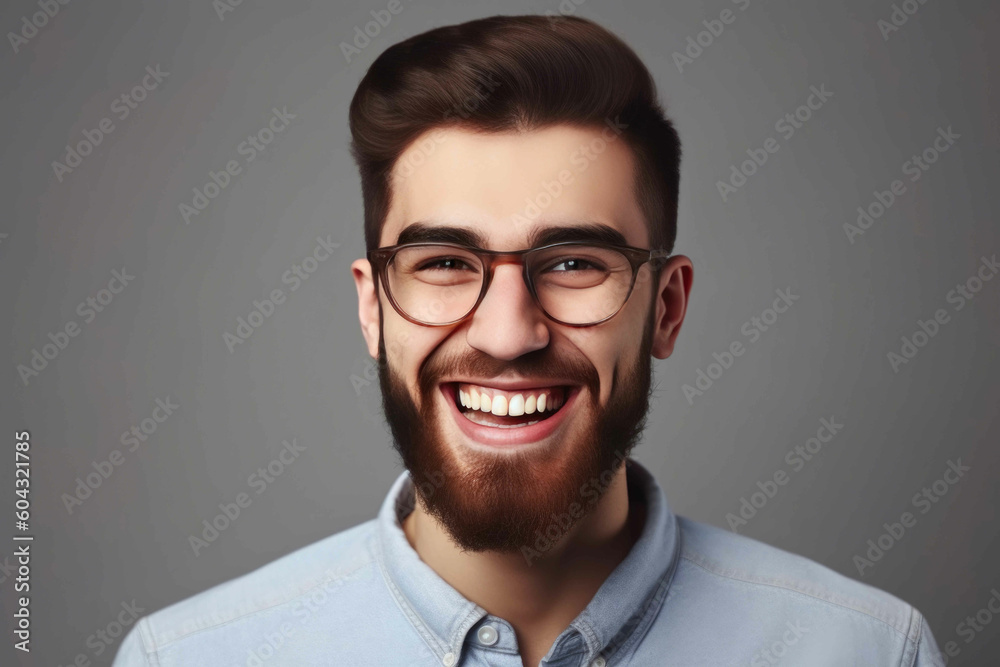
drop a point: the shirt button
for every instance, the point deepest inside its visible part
(488, 635)
(599, 662)
(449, 659)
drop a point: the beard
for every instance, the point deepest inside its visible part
(513, 501)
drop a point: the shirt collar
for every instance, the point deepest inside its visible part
(625, 604)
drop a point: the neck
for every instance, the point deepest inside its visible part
(541, 597)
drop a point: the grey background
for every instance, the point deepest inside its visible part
(163, 335)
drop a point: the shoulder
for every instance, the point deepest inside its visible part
(331, 567)
(744, 566)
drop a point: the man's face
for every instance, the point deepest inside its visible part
(495, 481)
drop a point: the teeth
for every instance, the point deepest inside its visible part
(504, 403)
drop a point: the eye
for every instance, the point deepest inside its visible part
(444, 264)
(574, 264)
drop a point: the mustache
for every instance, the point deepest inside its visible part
(544, 364)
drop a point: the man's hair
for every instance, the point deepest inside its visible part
(514, 73)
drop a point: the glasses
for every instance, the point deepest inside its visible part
(575, 284)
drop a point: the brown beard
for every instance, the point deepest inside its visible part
(510, 503)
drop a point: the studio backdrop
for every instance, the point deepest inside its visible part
(180, 322)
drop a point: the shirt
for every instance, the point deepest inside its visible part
(686, 594)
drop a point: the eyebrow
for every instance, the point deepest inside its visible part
(587, 232)
(582, 232)
(426, 232)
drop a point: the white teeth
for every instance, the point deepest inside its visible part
(515, 405)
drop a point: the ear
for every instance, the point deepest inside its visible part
(671, 304)
(368, 306)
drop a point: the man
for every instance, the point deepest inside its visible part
(520, 184)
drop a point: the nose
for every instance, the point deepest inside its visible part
(508, 323)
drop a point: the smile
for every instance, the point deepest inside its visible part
(494, 416)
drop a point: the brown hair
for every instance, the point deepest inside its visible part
(539, 71)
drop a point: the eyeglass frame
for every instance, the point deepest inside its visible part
(379, 259)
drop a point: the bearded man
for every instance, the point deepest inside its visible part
(520, 184)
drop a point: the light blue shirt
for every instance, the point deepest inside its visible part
(686, 594)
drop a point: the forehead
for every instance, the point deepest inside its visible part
(508, 188)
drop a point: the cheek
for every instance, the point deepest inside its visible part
(611, 346)
(600, 347)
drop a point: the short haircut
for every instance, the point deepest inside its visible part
(538, 71)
